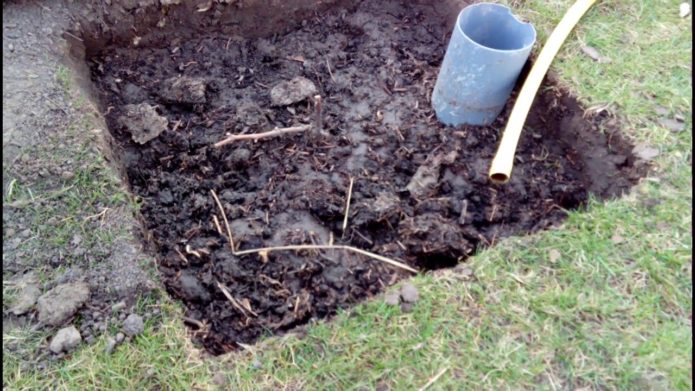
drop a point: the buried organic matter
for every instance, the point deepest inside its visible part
(417, 191)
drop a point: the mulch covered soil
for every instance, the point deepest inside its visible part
(420, 191)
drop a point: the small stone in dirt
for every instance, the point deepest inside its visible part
(133, 325)
(66, 339)
(76, 240)
(89, 339)
(143, 122)
(240, 156)
(645, 152)
(120, 337)
(554, 255)
(392, 298)
(186, 90)
(67, 175)
(110, 345)
(288, 92)
(409, 293)
(165, 197)
(60, 303)
(672, 125)
(118, 306)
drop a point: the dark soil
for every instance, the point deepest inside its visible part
(374, 69)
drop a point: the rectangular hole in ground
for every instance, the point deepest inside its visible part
(172, 97)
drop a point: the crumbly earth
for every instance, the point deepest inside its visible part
(420, 192)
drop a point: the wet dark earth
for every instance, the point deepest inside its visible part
(362, 81)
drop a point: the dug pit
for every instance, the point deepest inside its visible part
(354, 81)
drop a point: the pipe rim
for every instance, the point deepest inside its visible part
(500, 6)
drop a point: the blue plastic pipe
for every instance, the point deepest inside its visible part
(486, 52)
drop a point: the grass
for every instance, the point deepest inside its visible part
(613, 311)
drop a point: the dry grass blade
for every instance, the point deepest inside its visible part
(433, 379)
(256, 136)
(235, 302)
(226, 222)
(217, 225)
(347, 204)
(329, 247)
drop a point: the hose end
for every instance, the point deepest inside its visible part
(499, 178)
(502, 164)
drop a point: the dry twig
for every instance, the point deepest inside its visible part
(464, 212)
(257, 136)
(263, 252)
(318, 106)
(226, 222)
(235, 302)
(329, 247)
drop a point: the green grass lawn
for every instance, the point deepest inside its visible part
(604, 302)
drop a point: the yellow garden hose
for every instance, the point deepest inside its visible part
(501, 168)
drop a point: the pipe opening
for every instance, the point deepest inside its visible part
(495, 27)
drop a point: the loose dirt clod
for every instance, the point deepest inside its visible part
(29, 292)
(672, 124)
(409, 293)
(26, 299)
(65, 340)
(60, 303)
(427, 175)
(185, 90)
(143, 122)
(274, 230)
(645, 152)
(293, 91)
(392, 298)
(133, 325)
